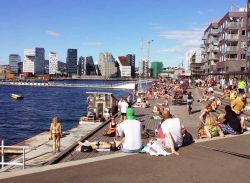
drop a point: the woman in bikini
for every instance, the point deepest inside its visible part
(56, 133)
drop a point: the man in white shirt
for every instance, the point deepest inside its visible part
(124, 108)
(130, 131)
(172, 130)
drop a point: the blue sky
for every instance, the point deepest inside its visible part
(116, 26)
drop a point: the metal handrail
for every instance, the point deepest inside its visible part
(3, 163)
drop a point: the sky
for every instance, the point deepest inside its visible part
(117, 26)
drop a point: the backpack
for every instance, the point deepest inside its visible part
(86, 148)
(187, 139)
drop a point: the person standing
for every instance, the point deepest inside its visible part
(56, 133)
(129, 99)
(124, 108)
(241, 86)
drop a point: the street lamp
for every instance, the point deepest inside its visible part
(149, 42)
(148, 59)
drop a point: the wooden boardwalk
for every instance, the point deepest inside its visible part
(142, 114)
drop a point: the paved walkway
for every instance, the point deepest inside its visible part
(195, 164)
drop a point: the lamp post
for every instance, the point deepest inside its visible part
(149, 43)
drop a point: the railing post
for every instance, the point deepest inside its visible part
(23, 158)
(2, 153)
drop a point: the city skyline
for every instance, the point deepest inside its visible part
(104, 27)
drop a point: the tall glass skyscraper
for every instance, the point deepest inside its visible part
(71, 61)
(13, 62)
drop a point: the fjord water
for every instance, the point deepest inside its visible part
(20, 119)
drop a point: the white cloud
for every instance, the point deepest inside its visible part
(185, 38)
(182, 41)
(94, 43)
(52, 33)
(176, 49)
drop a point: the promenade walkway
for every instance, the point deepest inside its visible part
(196, 164)
(219, 160)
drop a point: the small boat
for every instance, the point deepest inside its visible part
(16, 96)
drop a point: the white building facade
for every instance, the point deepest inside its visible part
(53, 63)
(193, 54)
(34, 60)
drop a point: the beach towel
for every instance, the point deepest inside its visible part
(154, 149)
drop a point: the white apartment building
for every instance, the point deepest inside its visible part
(143, 69)
(124, 66)
(29, 60)
(34, 60)
(53, 63)
(191, 55)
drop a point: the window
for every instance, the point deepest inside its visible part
(243, 56)
(243, 33)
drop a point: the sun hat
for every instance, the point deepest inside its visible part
(130, 113)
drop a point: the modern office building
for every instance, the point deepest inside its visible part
(34, 61)
(124, 66)
(86, 66)
(107, 65)
(157, 68)
(46, 66)
(53, 63)
(62, 68)
(81, 66)
(90, 66)
(195, 64)
(20, 67)
(13, 62)
(131, 61)
(225, 45)
(71, 61)
(144, 69)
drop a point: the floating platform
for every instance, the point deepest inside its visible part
(129, 85)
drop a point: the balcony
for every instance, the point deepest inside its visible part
(204, 37)
(233, 25)
(214, 31)
(213, 57)
(231, 59)
(232, 48)
(232, 37)
(213, 48)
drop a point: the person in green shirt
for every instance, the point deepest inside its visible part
(241, 86)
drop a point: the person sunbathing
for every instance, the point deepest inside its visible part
(226, 94)
(204, 98)
(233, 95)
(111, 132)
(98, 145)
(205, 113)
(212, 129)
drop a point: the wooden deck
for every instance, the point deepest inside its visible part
(142, 114)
